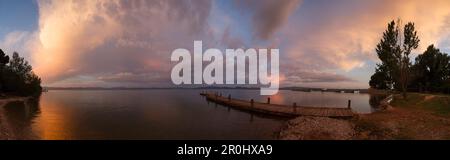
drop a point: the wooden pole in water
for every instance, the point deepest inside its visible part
(251, 102)
(229, 97)
(268, 100)
(349, 105)
(295, 107)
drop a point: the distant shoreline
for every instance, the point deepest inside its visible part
(305, 89)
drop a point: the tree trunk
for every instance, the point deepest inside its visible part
(404, 77)
(404, 94)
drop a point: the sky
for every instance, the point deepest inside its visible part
(112, 43)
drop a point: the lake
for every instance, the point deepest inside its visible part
(156, 114)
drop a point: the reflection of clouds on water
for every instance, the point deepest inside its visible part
(156, 114)
(18, 118)
(277, 98)
(54, 121)
(360, 103)
(375, 100)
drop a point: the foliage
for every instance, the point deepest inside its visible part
(17, 77)
(410, 42)
(4, 59)
(381, 79)
(430, 72)
(384, 74)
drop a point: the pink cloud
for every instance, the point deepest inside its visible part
(118, 41)
(88, 37)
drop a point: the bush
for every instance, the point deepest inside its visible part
(17, 77)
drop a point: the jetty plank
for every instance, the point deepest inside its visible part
(280, 110)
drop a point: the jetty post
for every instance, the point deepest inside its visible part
(349, 104)
(251, 102)
(229, 97)
(295, 107)
(268, 100)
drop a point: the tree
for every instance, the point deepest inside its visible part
(379, 79)
(18, 77)
(19, 66)
(431, 69)
(383, 76)
(410, 42)
(393, 50)
(4, 59)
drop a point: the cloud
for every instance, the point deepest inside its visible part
(117, 41)
(331, 37)
(18, 41)
(268, 15)
(231, 41)
(88, 37)
(133, 78)
(14, 38)
(316, 76)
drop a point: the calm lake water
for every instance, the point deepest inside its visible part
(155, 114)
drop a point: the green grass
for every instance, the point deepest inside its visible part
(439, 105)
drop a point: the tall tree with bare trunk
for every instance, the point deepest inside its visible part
(394, 50)
(410, 42)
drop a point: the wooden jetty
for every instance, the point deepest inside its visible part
(279, 110)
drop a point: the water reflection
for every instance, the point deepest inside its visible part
(18, 118)
(155, 114)
(375, 100)
(250, 113)
(359, 102)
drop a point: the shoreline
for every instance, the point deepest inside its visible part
(395, 121)
(321, 128)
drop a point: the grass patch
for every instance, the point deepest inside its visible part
(437, 104)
